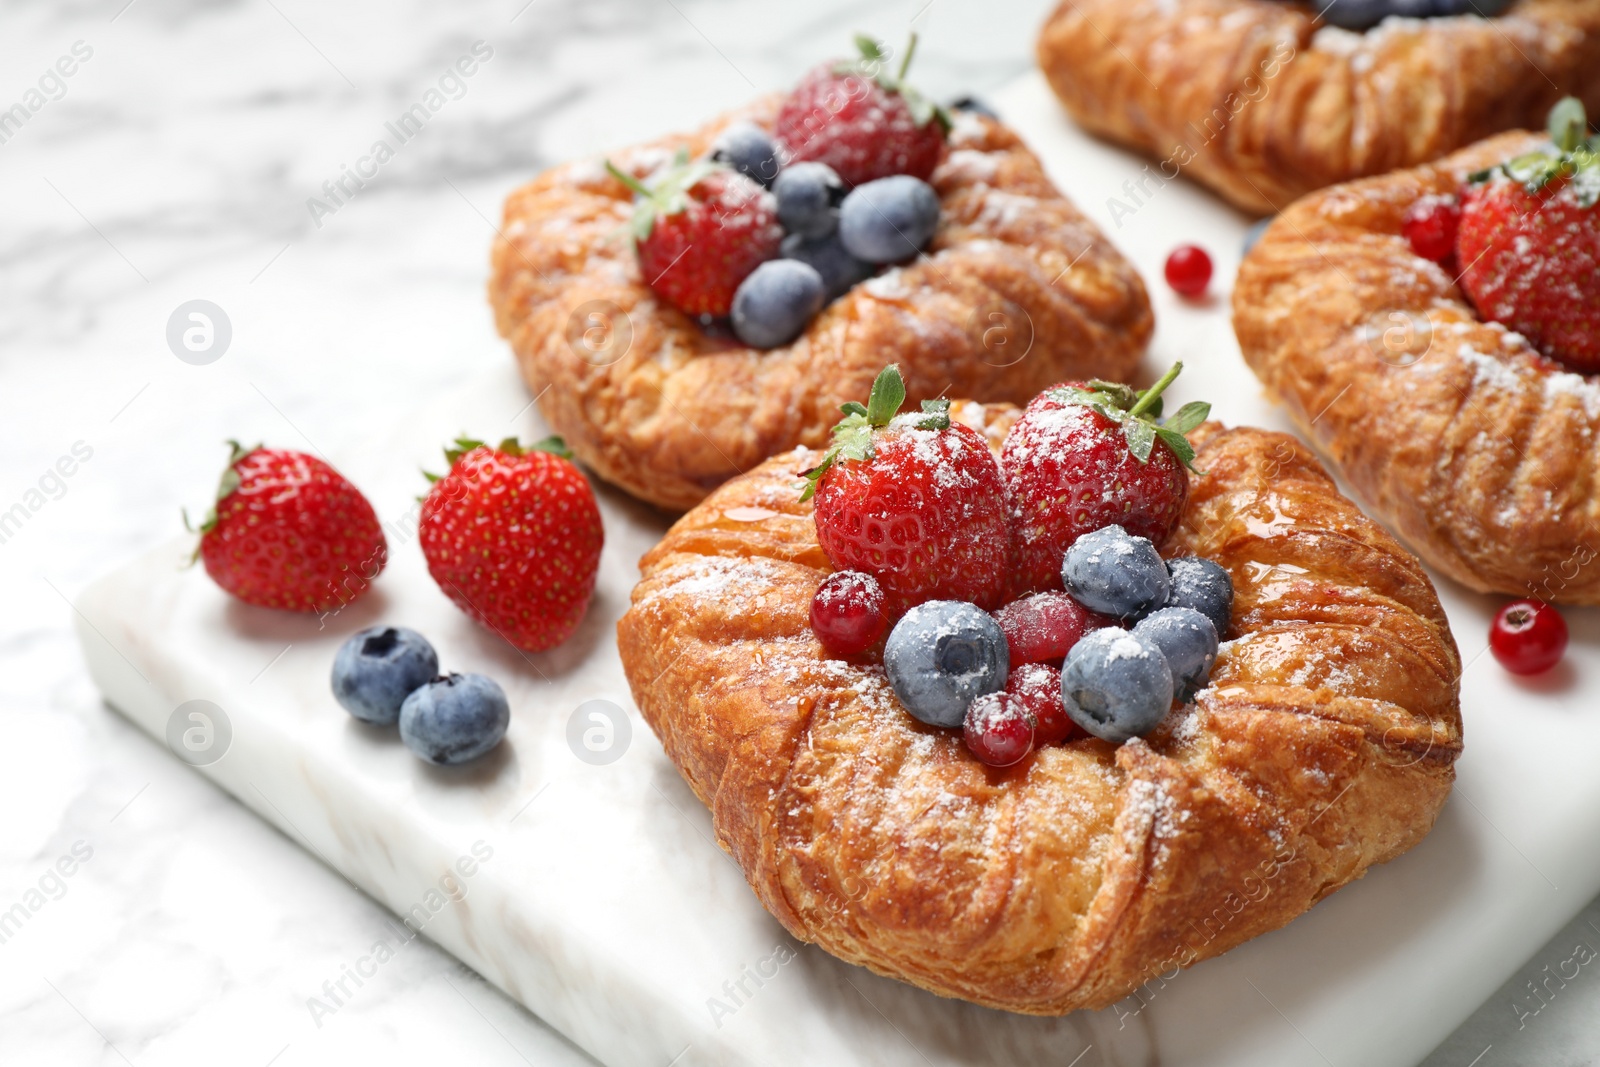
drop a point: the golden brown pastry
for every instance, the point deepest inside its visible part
(1456, 432)
(1019, 291)
(1325, 744)
(1261, 102)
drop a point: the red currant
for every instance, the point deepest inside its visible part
(848, 613)
(1189, 270)
(1042, 628)
(1430, 226)
(998, 729)
(1528, 636)
(1037, 686)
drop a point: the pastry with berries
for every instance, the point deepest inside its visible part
(682, 310)
(1437, 332)
(1014, 796)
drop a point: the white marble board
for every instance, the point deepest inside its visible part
(603, 904)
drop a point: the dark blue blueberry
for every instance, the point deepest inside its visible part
(773, 305)
(455, 719)
(377, 669)
(943, 655)
(1116, 684)
(974, 105)
(1204, 586)
(1253, 234)
(1115, 573)
(1189, 642)
(889, 220)
(827, 256)
(808, 197)
(1412, 9)
(746, 148)
(1355, 14)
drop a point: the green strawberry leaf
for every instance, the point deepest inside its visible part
(1568, 125)
(852, 435)
(888, 394)
(851, 407)
(936, 415)
(1138, 412)
(667, 195)
(1188, 417)
(1180, 446)
(1141, 437)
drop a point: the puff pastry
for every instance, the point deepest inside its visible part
(1456, 432)
(1262, 103)
(1325, 744)
(1019, 291)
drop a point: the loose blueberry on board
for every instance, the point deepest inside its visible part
(1115, 574)
(746, 148)
(1042, 628)
(1188, 270)
(773, 305)
(378, 668)
(974, 105)
(1429, 226)
(889, 220)
(943, 655)
(998, 729)
(455, 719)
(1038, 687)
(847, 613)
(1116, 685)
(828, 257)
(1188, 640)
(808, 199)
(1528, 637)
(1204, 585)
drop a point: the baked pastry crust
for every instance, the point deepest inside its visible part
(1480, 452)
(1325, 744)
(1272, 105)
(1019, 291)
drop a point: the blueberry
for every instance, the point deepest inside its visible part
(1115, 573)
(808, 197)
(1355, 14)
(1189, 642)
(1116, 684)
(377, 669)
(974, 105)
(454, 719)
(943, 655)
(1204, 586)
(827, 256)
(775, 302)
(1412, 9)
(746, 148)
(889, 220)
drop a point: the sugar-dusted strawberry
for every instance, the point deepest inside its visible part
(700, 229)
(512, 534)
(1086, 456)
(862, 121)
(1529, 243)
(914, 500)
(288, 531)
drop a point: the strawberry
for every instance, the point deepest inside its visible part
(700, 229)
(914, 500)
(288, 531)
(1529, 243)
(513, 536)
(1086, 456)
(861, 121)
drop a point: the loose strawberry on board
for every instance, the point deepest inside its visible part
(1087, 456)
(862, 121)
(512, 534)
(1529, 242)
(288, 531)
(700, 229)
(914, 500)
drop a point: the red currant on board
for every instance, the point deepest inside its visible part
(998, 729)
(1528, 636)
(1189, 270)
(1430, 226)
(848, 614)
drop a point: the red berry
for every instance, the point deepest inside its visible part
(1042, 628)
(513, 537)
(1430, 226)
(847, 613)
(1189, 270)
(1528, 636)
(1038, 687)
(290, 532)
(998, 729)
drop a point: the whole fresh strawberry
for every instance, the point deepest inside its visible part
(289, 532)
(1087, 456)
(1529, 243)
(513, 536)
(914, 500)
(700, 229)
(862, 121)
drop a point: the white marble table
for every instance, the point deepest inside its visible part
(175, 163)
